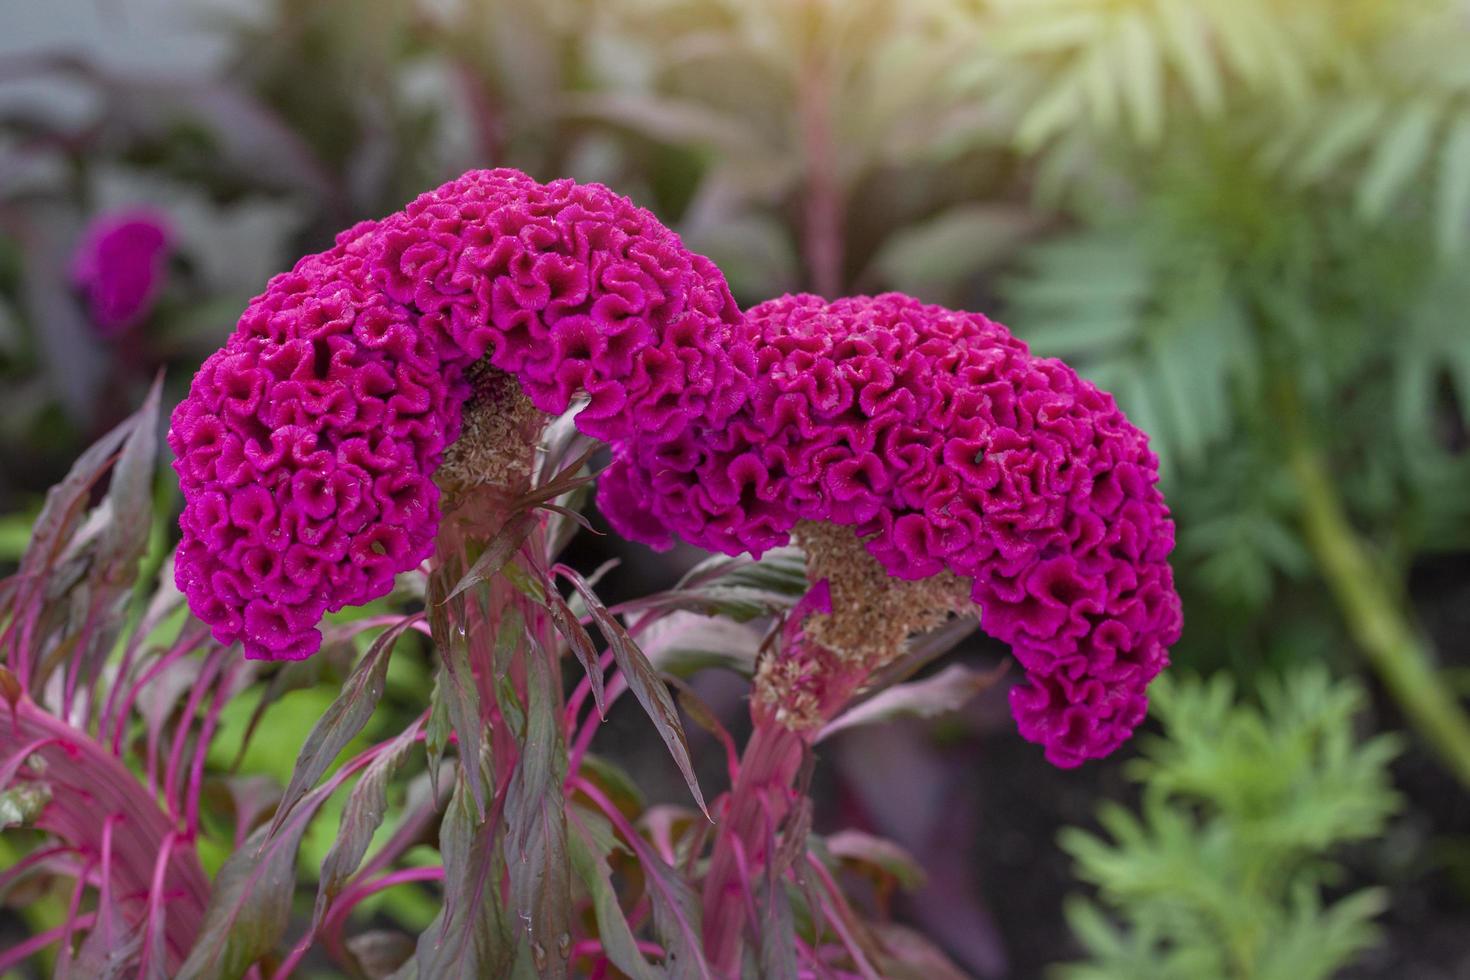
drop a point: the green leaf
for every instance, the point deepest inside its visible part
(1188, 43)
(1453, 217)
(361, 817)
(331, 661)
(683, 643)
(536, 828)
(250, 904)
(878, 853)
(1221, 869)
(929, 259)
(675, 917)
(590, 844)
(646, 686)
(944, 692)
(1053, 112)
(778, 947)
(471, 936)
(501, 549)
(457, 698)
(1345, 129)
(1399, 154)
(130, 494)
(342, 722)
(739, 588)
(1142, 76)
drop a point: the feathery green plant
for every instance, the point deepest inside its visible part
(1220, 872)
(1277, 299)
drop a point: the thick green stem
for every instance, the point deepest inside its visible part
(1376, 615)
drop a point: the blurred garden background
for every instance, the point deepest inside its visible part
(1249, 219)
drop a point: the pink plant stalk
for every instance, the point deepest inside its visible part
(114, 830)
(307, 445)
(70, 758)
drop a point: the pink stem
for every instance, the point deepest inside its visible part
(23, 951)
(104, 877)
(186, 644)
(73, 912)
(154, 920)
(20, 867)
(74, 666)
(762, 793)
(171, 792)
(201, 748)
(630, 834)
(615, 689)
(336, 918)
(837, 911)
(90, 784)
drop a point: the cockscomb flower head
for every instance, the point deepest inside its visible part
(120, 267)
(307, 446)
(949, 450)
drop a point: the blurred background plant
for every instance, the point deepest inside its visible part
(1221, 873)
(1250, 220)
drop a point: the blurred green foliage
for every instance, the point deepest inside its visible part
(1221, 871)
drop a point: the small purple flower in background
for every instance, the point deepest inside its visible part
(120, 266)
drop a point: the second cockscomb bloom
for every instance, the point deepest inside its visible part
(938, 440)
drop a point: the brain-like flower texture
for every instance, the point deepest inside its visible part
(952, 451)
(307, 446)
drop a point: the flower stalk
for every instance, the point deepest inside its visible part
(1374, 612)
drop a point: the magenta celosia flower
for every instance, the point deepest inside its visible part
(306, 447)
(120, 267)
(945, 444)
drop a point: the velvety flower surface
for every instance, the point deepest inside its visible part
(120, 267)
(307, 445)
(940, 439)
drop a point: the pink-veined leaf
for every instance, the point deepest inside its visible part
(361, 817)
(644, 682)
(470, 936)
(590, 843)
(342, 721)
(535, 826)
(944, 692)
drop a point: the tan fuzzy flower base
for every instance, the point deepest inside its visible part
(873, 614)
(497, 438)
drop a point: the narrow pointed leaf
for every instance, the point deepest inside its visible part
(581, 643)
(343, 720)
(536, 830)
(361, 817)
(946, 691)
(499, 551)
(645, 684)
(589, 844)
(470, 936)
